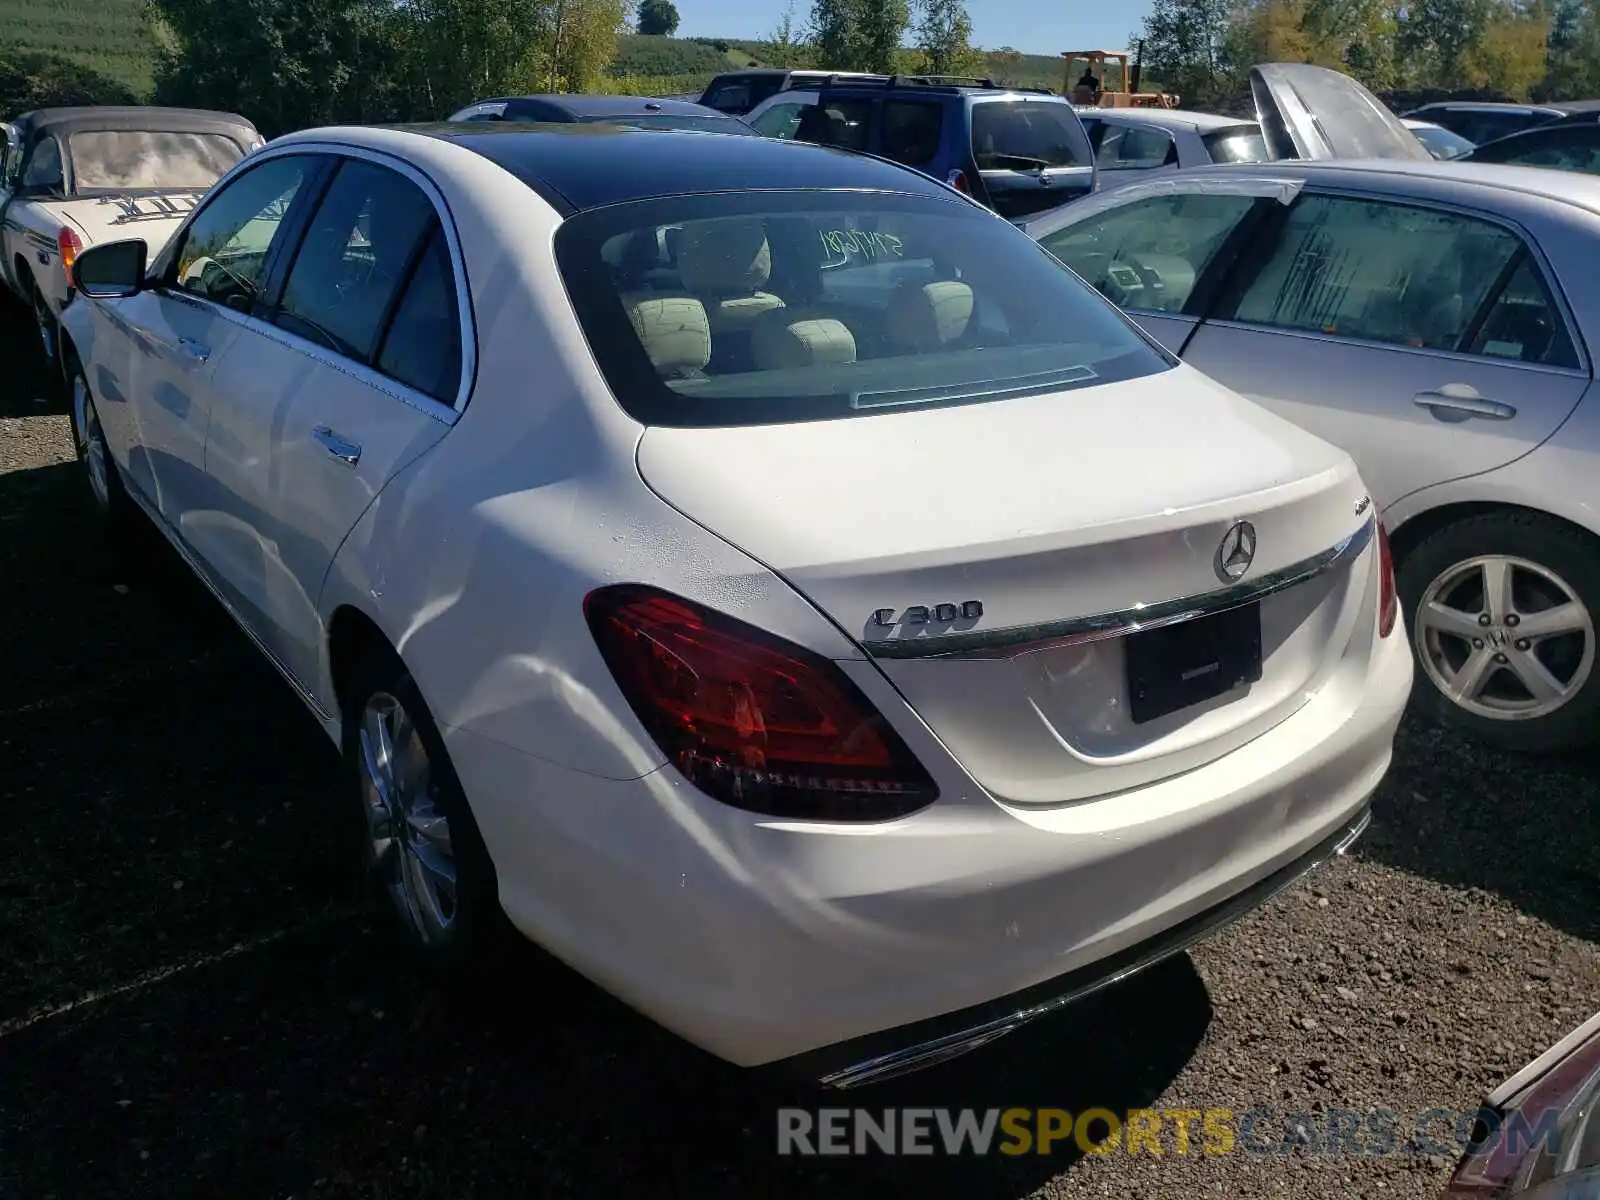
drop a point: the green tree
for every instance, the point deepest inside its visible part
(882, 25)
(658, 17)
(285, 64)
(944, 35)
(582, 42)
(1436, 37)
(783, 47)
(1185, 44)
(30, 80)
(835, 33)
(458, 51)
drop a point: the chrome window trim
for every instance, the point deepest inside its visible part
(1017, 640)
(376, 380)
(464, 313)
(1551, 280)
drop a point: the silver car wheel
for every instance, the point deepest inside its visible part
(91, 443)
(408, 831)
(1504, 638)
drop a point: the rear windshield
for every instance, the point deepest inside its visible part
(762, 307)
(1238, 143)
(662, 121)
(1024, 135)
(126, 159)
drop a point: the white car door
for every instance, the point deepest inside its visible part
(1157, 249)
(1426, 341)
(358, 373)
(204, 287)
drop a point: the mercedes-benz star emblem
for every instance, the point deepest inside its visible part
(1236, 553)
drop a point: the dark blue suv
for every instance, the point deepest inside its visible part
(1016, 150)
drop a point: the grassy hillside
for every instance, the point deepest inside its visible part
(110, 37)
(107, 36)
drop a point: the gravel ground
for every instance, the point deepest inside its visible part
(195, 1000)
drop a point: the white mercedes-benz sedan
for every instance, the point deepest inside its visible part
(776, 585)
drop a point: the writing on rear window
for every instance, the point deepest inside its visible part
(842, 245)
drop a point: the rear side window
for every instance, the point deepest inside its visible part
(1025, 135)
(44, 167)
(1571, 149)
(422, 348)
(911, 131)
(1135, 148)
(354, 258)
(836, 121)
(1383, 272)
(1242, 143)
(752, 308)
(731, 97)
(781, 121)
(1148, 255)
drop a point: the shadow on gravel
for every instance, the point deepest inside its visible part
(319, 1066)
(1526, 829)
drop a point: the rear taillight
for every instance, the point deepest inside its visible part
(958, 180)
(68, 243)
(1388, 601)
(750, 719)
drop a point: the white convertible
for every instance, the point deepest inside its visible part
(776, 584)
(75, 177)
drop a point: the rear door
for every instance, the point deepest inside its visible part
(1429, 342)
(1031, 153)
(1159, 249)
(358, 374)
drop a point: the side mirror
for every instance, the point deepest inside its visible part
(112, 270)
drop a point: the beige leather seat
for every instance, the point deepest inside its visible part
(674, 332)
(725, 264)
(780, 340)
(925, 318)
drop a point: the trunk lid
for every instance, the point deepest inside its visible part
(1316, 113)
(1050, 512)
(153, 217)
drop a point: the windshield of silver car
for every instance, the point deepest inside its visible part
(761, 307)
(143, 159)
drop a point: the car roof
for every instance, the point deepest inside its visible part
(1167, 117)
(579, 167)
(616, 106)
(1569, 187)
(1488, 106)
(65, 120)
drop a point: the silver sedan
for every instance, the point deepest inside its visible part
(1438, 320)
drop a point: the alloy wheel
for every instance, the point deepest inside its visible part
(1504, 637)
(408, 830)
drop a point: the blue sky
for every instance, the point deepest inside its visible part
(1029, 25)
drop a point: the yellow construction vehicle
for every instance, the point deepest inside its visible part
(1089, 81)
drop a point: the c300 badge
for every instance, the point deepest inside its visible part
(933, 614)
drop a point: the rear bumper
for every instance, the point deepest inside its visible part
(882, 1056)
(825, 947)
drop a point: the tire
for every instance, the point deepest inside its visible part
(1507, 667)
(446, 927)
(48, 342)
(108, 498)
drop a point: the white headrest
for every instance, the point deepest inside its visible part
(781, 339)
(726, 257)
(673, 330)
(930, 316)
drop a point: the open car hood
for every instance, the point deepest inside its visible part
(1314, 112)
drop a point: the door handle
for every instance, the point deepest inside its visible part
(344, 450)
(195, 350)
(1456, 402)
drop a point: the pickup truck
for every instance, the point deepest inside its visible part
(74, 177)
